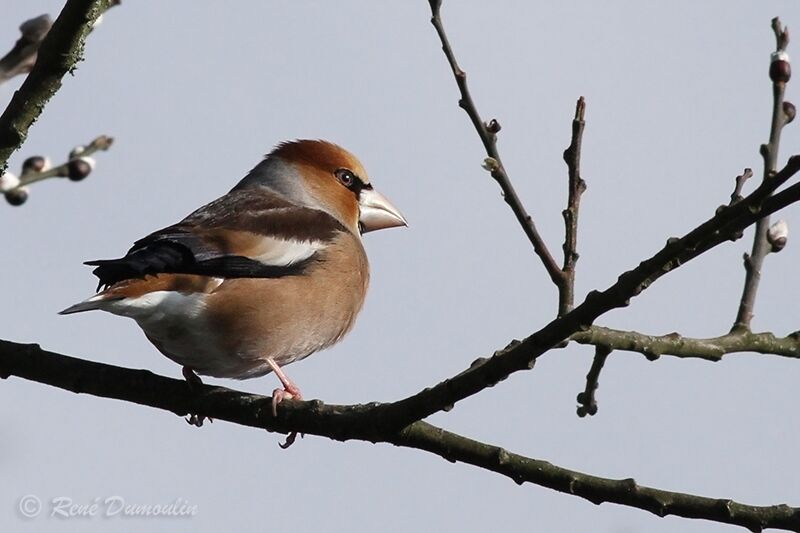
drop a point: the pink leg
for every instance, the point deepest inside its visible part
(290, 391)
(194, 382)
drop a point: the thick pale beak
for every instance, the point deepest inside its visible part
(377, 212)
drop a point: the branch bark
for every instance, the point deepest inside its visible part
(58, 54)
(363, 422)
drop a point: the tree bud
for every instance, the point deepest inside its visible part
(780, 70)
(17, 196)
(79, 168)
(777, 235)
(36, 163)
(790, 111)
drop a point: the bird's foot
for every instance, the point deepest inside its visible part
(286, 393)
(290, 391)
(194, 382)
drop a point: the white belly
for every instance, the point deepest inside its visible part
(175, 322)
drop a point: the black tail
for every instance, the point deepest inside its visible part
(138, 264)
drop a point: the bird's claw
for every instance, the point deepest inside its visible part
(197, 420)
(290, 438)
(278, 395)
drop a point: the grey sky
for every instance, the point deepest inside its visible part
(678, 103)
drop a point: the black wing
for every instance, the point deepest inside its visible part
(214, 240)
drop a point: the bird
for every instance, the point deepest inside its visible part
(259, 278)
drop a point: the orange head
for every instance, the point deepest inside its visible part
(322, 175)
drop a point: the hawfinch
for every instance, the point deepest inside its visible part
(264, 276)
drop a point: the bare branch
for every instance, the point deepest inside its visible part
(572, 157)
(22, 57)
(487, 132)
(726, 224)
(586, 399)
(58, 54)
(364, 422)
(674, 344)
(597, 490)
(780, 71)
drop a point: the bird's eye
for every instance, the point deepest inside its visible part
(346, 177)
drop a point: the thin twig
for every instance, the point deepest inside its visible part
(58, 54)
(586, 399)
(753, 262)
(101, 143)
(572, 157)
(37, 168)
(487, 134)
(364, 422)
(22, 57)
(736, 195)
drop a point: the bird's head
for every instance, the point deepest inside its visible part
(325, 176)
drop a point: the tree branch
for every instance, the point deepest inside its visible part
(58, 54)
(488, 135)
(572, 157)
(727, 224)
(711, 349)
(779, 73)
(362, 422)
(597, 490)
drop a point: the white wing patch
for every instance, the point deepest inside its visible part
(285, 252)
(159, 306)
(152, 306)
